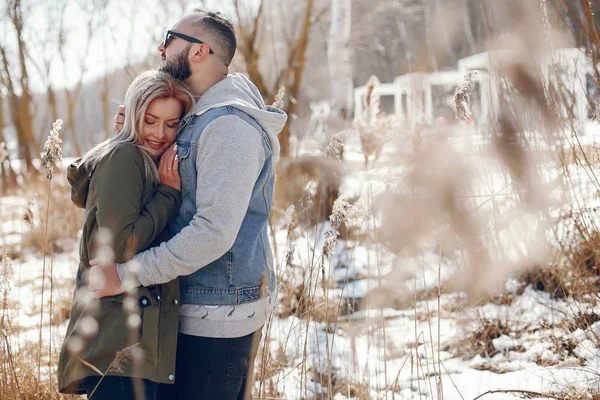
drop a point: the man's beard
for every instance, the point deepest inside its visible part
(179, 67)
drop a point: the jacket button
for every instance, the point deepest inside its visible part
(158, 298)
(175, 302)
(171, 377)
(144, 301)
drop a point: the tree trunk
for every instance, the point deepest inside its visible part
(24, 112)
(106, 117)
(340, 58)
(51, 97)
(13, 103)
(467, 28)
(297, 70)
(8, 178)
(70, 125)
(428, 20)
(248, 48)
(290, 76)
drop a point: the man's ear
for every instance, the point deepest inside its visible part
(201, 54)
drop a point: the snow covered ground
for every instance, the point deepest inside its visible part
(534, 343)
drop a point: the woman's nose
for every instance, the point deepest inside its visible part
(160, 132)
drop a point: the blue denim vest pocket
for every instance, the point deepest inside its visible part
(185, 170)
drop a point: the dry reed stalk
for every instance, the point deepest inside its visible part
(439, 308)
(51, 157)
(6, 274)
(438, 373)
(291, 222)
(462, 99)
(11, 363)
(327, 350)
(309, 200)
(279, 99)
(121, 359)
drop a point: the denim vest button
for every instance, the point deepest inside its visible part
(144, 301)
(171, 377)
(175, 302)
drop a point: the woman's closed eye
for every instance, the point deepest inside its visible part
(170, 125)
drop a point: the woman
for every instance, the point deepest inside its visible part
(122, 347)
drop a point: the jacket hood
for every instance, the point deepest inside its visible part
(78, 176)
(238, 91)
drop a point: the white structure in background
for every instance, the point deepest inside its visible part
(567, 72)
(383, 89)
(429, 96)
(571, 73)
(417, 96)
(484, 98)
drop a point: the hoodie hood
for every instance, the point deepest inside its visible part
(239, 92)
(78, 176)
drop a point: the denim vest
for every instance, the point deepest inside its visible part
(244, 273)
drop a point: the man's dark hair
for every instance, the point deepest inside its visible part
(218, 31)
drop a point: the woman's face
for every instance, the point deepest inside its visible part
(160, 126)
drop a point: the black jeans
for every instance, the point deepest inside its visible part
(119, 387)
(213, 368)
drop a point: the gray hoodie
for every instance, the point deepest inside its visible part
(221, 211)
(238, 91)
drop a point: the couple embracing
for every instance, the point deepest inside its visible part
(180, 198)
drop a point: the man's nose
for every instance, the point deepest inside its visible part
(161, 47)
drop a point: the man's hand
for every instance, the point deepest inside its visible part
(104, 280)
(119, 119)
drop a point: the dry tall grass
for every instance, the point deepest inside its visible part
(434, 202)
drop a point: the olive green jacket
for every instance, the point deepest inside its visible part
(131, 213)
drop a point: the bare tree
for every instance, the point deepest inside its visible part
(8, 177)
(19, 104)
(72, 95)
(290, 74)
(93, 11)
(339, 57)
(106, 111)
(42, 58)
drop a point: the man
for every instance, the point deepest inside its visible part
(221, 247)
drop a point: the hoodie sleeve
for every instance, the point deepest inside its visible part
(230, 158)
(79, 180)
(119, 187)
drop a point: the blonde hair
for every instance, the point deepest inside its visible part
(145, 88)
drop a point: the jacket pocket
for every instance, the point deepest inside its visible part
(149, 326)
(119, 326)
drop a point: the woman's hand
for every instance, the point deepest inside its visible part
(168, 168)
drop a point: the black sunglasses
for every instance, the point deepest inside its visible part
(187, 38)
